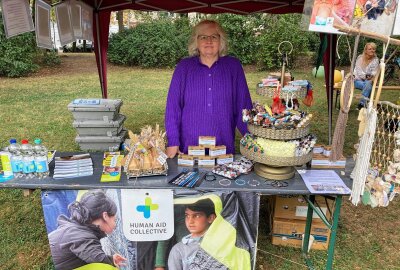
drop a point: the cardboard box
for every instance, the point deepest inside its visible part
(215, 151)
(196, 151)
(322, 161)
(206, 161)
(286, 232)
(185, 160)
(207, 141)
(296, 208)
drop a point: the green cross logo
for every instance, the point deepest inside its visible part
(147, 207)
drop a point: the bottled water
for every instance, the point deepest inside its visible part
(16, 158)
(41, 164)
(13, 148)
(28, 159)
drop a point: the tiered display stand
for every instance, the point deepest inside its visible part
(273, 167)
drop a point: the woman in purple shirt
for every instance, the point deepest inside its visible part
(207, 94)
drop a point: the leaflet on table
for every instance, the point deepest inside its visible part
(73, 166)
(112, 163)
(323, 182)
(72, 175)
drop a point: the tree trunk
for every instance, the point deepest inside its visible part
(120, 19)
(74, 46)
(33, 10)
(84, 45)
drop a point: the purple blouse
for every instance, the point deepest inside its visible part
(205, 101)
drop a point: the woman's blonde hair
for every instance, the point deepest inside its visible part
(371, 44)
(223, 45)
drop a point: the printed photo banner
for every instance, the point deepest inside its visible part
(396, 28)
(64, 23)
(42, 23)
(76, 14)
(227, 222)
(377, 16)
(323, 14)
(17, 17)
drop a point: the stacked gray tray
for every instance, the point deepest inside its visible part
(98, 123)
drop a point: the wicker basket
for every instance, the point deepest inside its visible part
(278, 134)
(269, 92)
(275, 161)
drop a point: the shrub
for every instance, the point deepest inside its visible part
(17, 54)
(253, 39)
(151, 44)
(50, 58)
(275, 30)
(242, 35)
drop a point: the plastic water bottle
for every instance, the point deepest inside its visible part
(16, 158)
(41, 164)
(13, 148)
(28, 159)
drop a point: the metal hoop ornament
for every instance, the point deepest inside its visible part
(285, 41)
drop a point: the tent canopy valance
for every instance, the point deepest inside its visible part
(202, 6)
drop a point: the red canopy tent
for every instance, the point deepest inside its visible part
(103, 8)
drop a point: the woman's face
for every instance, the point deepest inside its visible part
(208, 41)
(108, 223)
(370, 51)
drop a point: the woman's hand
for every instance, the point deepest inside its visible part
(159, 268)
(172, 151)
(118, 260)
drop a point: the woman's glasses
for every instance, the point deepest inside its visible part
(213, 38)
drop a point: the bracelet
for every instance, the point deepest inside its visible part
(225, 182)
(240, 182)
(253, 183)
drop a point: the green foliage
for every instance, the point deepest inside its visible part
(16, 54)
(242, 35)
(253, 39)
(19, 55)
(50, 59)
(275, 30)
(161, 43)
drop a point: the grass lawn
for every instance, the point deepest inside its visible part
(37, 107)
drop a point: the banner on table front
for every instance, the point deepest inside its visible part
(147, 214)
(228, 243)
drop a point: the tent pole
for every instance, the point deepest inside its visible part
(330, 86)
(99, 55)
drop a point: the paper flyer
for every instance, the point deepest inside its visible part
(112, 167)
(323, 182)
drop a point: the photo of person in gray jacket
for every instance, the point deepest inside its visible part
(76, 241)
(198, 218)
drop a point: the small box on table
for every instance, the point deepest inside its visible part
(207, 141)
(196, 151)
(323, 162)
(217, 150)
(185, 160)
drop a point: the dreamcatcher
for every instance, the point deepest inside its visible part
(362, 173)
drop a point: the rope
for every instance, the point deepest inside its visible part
(283, 258)
(360, 171)
(347, 92)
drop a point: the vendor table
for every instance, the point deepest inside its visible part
(295, 186)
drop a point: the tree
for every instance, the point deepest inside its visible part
(120, 19)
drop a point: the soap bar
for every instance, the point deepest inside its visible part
(207, 141)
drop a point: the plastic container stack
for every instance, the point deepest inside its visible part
(98, 123)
